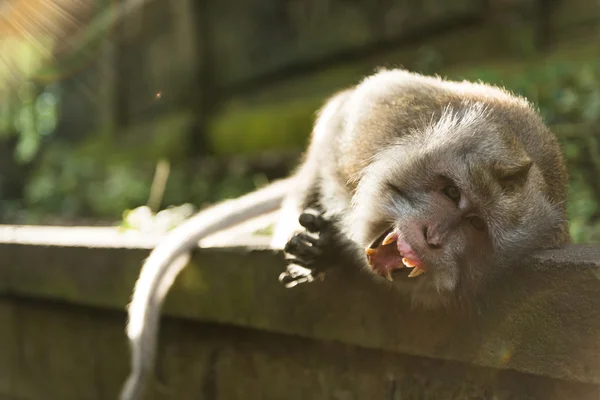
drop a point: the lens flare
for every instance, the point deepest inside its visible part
(36, 36)
(42, 43)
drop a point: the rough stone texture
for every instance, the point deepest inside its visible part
(208, 361)
(233, 332)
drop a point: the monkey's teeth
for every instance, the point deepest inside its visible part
(416, 272)
(388, 275)
(370, 251)
(408, 263)
(390, 238)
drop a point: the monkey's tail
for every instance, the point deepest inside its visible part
(168, 259)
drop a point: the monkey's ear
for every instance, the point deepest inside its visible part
(512, 173)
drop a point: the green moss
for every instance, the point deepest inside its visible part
(282, 117)
(284, 125)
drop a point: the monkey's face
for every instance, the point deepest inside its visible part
(441, 221)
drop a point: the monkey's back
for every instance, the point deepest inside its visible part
(392, 103)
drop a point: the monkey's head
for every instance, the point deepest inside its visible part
(444, 208)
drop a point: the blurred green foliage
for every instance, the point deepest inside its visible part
(30, 115)
(246, 129)
(109, 172)
(565, 92)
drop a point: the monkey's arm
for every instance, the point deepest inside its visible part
(315, 243)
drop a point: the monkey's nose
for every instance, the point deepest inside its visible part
(432, 236)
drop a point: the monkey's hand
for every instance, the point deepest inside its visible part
(308, 251)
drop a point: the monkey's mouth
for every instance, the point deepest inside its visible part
(390, 254)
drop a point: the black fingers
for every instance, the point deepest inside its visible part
(303, 246)
(312, 221)
(305, 251)
(295, 275)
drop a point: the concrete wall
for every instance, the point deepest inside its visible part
(232, 332)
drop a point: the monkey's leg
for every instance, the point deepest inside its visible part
(309, 252)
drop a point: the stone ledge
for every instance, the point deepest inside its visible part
(544, 319)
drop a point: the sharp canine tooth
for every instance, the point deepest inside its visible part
(371, 251)
(416, 272)
(390, 238)
(388, 275)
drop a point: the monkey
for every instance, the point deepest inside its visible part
(432, 186)
(454, 181)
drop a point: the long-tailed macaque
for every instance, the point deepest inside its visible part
(434, 186)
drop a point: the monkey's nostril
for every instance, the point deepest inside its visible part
(425, 231)
(431, 238)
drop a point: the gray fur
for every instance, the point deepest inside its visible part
(404, 128)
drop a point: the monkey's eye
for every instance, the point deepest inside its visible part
(395, 189)
(453, 193)
(477, 223)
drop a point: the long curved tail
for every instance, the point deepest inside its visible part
(168, 259)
